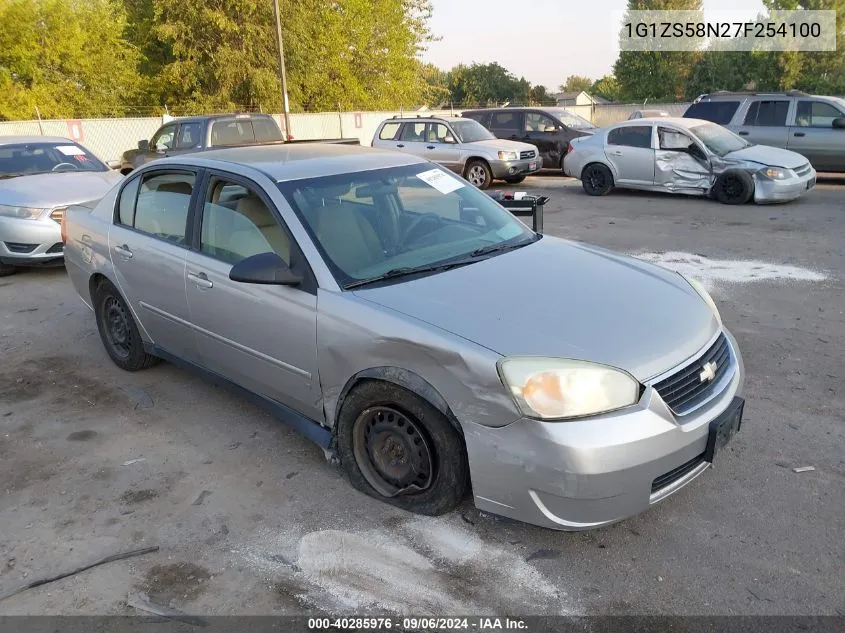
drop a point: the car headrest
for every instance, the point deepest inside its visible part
(254, 209)
(176, 187)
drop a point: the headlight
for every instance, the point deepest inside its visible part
(21, 213)
(508, 155)
(702, 292)
(775, 173)
(558, 388)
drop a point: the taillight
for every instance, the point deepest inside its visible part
(569, 148)
(64, 227)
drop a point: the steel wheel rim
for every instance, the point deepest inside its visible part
(392, 452)
(477, 176)
(117, 328)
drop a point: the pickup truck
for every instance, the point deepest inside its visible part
(197, 134)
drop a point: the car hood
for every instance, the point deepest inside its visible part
(565, 299)
(769, 156)
(504, 145)
(57, 189)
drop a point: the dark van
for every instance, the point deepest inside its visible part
(549, 129)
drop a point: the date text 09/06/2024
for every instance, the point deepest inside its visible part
(417, 623)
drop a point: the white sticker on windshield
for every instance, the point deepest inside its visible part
(70, 150)
(440, 180)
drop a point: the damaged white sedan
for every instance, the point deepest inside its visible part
(688, 156)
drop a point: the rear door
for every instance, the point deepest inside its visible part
(508, 124)
(813, 135)
(148, 244)
(629, 149)
(412, 138)
(261, 337)
(765, 122)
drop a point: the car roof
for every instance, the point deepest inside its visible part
(293, 161)
(14, 140)
(663, 120)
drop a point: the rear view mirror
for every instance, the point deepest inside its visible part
(144, 146)
(265, 268)
(839, 123)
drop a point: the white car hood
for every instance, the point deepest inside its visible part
(769, 156)
(57, 189)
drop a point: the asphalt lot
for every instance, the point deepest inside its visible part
(250, 517)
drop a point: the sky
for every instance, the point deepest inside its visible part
(544, 41)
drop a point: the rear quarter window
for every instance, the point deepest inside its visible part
(388, 131)
(266, 130)
(720, 112)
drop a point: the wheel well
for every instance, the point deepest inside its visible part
(606, 166)
(476, 159)
(93, 283)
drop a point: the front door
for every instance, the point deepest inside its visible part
(629, 150)
(261, 337)
(542, 131)
(438, 150)
(148, 245)
(814, 136)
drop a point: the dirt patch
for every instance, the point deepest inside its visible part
(60, 378)
(24, 474)
(178, 582)
(82, 436)
(131, 497)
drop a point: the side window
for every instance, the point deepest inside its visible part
(536, 122)
(630, 136)
(189, 136)
(164, 138)
(413, 132)
(481, 117)
(672, 139)
(816, 114)
(226, 133)
(126, 204)
(751, 116)
(507, 123)
(266, 130)
(162, 207)
(388, 131)
(236, 224)
(437, 133)
(720, 112)
(771, 113)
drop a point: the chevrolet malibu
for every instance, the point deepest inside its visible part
(688, 156)
(414, 329)
(39, 177)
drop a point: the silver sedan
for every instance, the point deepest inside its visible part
(414, 329)
(688, 156)
(39, 177)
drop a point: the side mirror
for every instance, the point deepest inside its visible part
(839, 123)
(265, 268)
(113, 164)
(144, 146)
(551, 129)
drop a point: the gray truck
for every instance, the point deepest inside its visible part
(200, 133)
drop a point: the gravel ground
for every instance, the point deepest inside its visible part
(251, 519)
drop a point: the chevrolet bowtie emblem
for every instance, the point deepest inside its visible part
(708, 371)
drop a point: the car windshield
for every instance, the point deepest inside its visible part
(570, 119)
(719, 140)
(399, 220)
(470, 131)
(23, 159)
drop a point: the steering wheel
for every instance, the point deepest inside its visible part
(412, 227)
(56, 168)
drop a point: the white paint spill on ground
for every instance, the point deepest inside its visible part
(420, 566)
(714, 272)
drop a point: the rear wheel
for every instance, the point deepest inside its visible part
(118, 330)
(597, 180)
(6, 270)
(514, 180)
(398, 448)
(733, 187)
(478, 173)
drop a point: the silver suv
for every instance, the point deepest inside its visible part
(810, 125)
(462, 145)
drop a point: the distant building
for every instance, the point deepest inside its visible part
(577, 99)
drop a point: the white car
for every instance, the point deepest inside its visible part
(689, 156)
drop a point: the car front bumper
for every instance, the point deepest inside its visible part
(30, 242)
(766, 190)
(587, 473)
(515, 168)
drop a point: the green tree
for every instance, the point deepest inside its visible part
(655, 75)
(482, 84)
(607, 87)
(538, 95)
(576, 83)
(67, 57)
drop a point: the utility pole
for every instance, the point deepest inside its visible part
(282, 70)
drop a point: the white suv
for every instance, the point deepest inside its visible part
(462, 145)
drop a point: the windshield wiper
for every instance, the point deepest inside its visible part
(501, 247)
(406, 271)
(6, 176)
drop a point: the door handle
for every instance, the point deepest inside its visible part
(743, 133)
(400, 145)
(124, 251)
(201, 280)
(617, 152)
(799, 134)
(429, 146)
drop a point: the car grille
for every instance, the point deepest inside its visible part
(16, 247)
(527, 154)
(58, 247)
(676, 473)
(685, 391)
(57, 214)
(803, 170)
